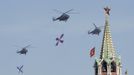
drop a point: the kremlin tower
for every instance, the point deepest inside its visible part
(109, 63)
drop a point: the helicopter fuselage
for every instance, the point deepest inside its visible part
(63, 17)
(95, 31)
(23, 51)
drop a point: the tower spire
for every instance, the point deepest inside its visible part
(107, 49)
(108, 63)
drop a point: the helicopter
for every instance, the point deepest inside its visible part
(59, 40)
(96, 31)
(23, 50)
(20, 69)
(64, 16)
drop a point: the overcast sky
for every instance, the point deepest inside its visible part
(29, 22)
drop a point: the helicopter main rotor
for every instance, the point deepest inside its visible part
(67, 12)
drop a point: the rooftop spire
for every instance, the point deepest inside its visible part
(107, 49)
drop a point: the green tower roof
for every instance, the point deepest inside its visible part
(107, 50)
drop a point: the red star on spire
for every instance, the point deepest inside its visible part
(107, 10)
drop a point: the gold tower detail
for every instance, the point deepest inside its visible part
(108, 63)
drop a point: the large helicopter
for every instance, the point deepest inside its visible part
(24, 50)
(96, 31)
(20, 69)
(59, 39)
(64, 16)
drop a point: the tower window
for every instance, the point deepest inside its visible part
(96, 68)
(113, 67)
(104, 66)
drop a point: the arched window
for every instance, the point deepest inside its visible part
(113, 67)
(104, 66)
(96, 68)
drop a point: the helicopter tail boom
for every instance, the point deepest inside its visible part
(17, 51)
(54, 19)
